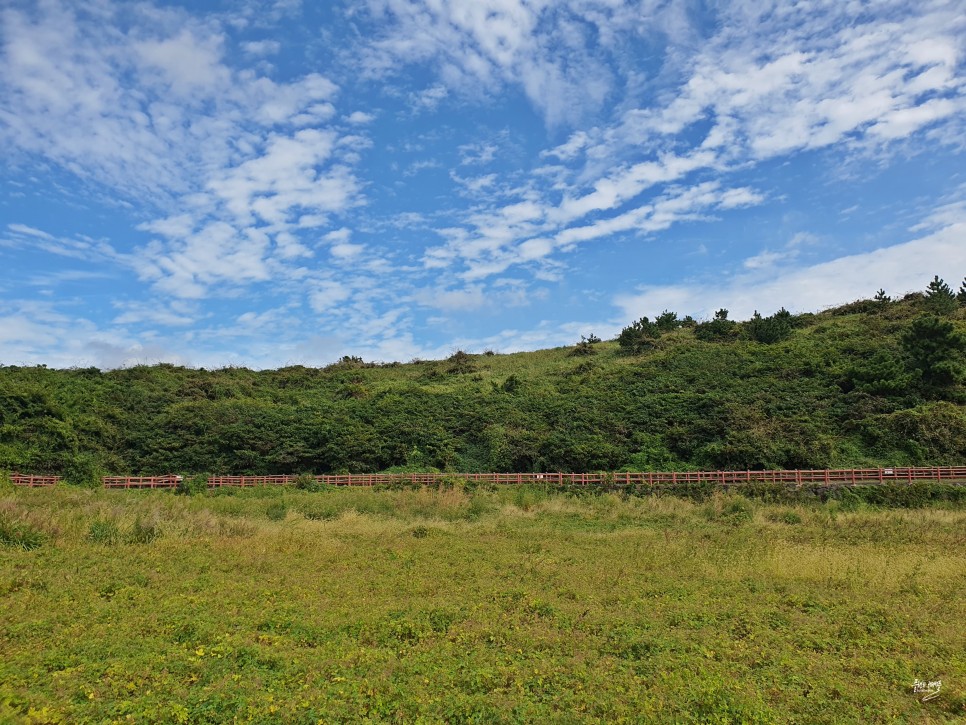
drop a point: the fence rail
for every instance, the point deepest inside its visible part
(169, 481)
(20, 479)
(830, 477)
(726, 479)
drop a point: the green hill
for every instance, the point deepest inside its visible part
(871, 383)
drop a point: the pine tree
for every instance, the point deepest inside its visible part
(585, 346)
(937, 351)
(667, 321)
(940, 298)
(638, 336)
(770, 330)
(720, 329)
(962, 293)
(882, 297)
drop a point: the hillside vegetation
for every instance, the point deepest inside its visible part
(876, 382)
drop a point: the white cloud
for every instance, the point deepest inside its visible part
(262, 47)
(323, 296)
(360, 118)
(613, 190)
(428, 99)
(573, 146)
(168, 316)
(285, 179)
(477, 153)
(776, 79)
(898, 269)
(468, 298)
(339, 235)
(29, 231)
(344, 251)
(769, 82)
(549, 50)
(187, 64)
(767, 259)
(141, 101)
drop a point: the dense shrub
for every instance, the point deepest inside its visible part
(720, 329)
(851, 389)
(20, 534)
(103, 531)
(638, 336)
(769, 330)
(940, 298)
(937, 352)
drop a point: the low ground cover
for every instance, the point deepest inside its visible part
(512, 605)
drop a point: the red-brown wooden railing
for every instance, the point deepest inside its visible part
(169, 481)
(820, 477)
(20, 479)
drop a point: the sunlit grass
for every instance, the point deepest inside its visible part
(492, 606)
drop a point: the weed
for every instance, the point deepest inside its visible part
(103, 532)
(143, 531)
(20, 534)
(729, 509)
(784, 516)
(277, 511)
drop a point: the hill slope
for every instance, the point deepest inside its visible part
(841, 389)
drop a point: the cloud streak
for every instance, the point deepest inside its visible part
(419, 174)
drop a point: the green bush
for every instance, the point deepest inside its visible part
(940, 298)
(585, 347)
(784, 516)
(192, 485)
(638, 337)
(143, 531)
(769, 330)
(103, 532)
(720, 329)
(736, 512)
(308, 482)
(83, 469)
(937, 352)
(277, 511)
(816, 400)
(20, 534)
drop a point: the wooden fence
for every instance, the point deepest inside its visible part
(169, 481)
(727, 479)
(20, 479)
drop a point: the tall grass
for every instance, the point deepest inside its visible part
(489, 606)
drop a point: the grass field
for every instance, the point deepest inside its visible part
(493, 606)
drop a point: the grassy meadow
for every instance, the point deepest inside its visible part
(512, 605)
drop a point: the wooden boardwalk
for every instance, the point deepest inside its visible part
(727, 479)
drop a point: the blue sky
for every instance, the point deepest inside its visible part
(267, 183)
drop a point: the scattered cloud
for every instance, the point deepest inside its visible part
(360, 117)
(262, 47)
(898, 269)
(185, 179)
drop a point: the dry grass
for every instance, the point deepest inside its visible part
(504, 606)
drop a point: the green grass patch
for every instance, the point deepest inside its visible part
(447, 605)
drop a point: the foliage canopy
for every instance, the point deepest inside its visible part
(869, 383)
